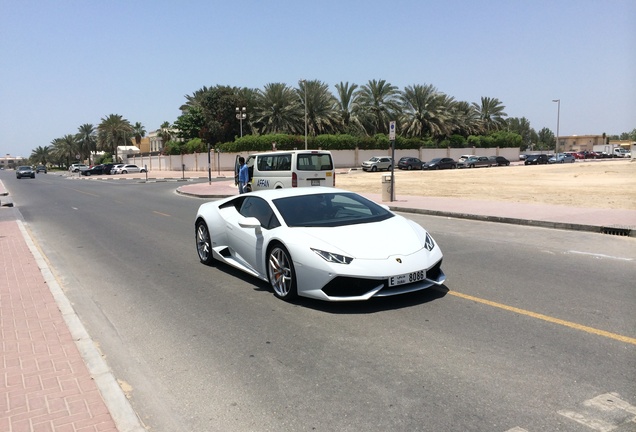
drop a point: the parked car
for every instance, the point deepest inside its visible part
(40, 168)
(108, 167)
(441, 163)
(463, 158)
(575, 155)
(562, 158)
(474, 162)
(129, 168)
(539, 159)
(24, 171)
(94, 170)
(523, 157)
(409, 163)
(377, 163)
(591, 155)
(314, 242)
(499, 161)
(115, 167)
(77, 167)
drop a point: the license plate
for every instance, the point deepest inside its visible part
(315, 182)
(405, 278)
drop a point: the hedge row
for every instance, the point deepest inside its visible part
(260, 143)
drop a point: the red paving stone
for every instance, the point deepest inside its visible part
(45, 385)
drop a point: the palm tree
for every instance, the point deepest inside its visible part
(196, 100)
(349, 121)
(66, 148)
(465, 119)
(86, 140)
(278, 110)
(113, 131)
(139, 132)
(426, 112)
(491, 113)
(321, 113)
(377, 103)
(165, 133)
(40, 155)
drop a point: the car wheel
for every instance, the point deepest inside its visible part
(142, 170)
(374, 168)
(281, 273)
(204, 243)
(87, 173)
(124, 172)
(410, 167)
(248, 187)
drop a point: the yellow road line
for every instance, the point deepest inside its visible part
(547, 318)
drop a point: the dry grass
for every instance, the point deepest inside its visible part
(595, 184)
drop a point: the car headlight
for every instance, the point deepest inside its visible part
(333, 257)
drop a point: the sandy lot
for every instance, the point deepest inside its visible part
(595, 184)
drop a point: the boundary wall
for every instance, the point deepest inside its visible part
(343, 158)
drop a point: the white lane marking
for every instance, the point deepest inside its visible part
(595, 255)
(604, 413)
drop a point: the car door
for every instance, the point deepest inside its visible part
(248, 242)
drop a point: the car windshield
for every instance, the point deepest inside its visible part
(329, 210)
(24, 168)
(435, 160)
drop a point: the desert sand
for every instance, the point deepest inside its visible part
(594, 184)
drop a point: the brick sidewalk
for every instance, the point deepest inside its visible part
(45, 384)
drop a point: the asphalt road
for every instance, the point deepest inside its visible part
(535, 329)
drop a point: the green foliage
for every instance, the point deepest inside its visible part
(175, 148)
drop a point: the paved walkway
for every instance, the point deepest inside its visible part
(53, 377)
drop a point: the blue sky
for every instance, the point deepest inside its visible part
(64, 63)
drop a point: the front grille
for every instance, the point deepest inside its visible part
(350, 287)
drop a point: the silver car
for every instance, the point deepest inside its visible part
(377, 163)
(129, 168)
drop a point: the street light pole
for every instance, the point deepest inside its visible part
(305, 93)
(241, 115)
(556, 146)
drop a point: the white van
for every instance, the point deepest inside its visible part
(294, 168)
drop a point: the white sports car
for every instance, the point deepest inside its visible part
(319, 242)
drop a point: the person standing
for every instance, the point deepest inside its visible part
(243, 176)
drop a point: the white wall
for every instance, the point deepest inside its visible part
(342, 158)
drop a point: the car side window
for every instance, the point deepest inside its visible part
(260, 209)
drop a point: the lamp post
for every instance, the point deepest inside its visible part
(305, 94)
(241, 115)
(556, 146)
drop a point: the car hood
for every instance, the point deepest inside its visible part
(378, 240)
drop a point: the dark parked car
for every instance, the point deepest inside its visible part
(539, 159)
(24, 171)
(409, 163)
(94, 170)
(499, 161)
(107, 167)
(40, 168)
(441, 163)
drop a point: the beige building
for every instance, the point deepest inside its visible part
(578, 143)
(10, 162)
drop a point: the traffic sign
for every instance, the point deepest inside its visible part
(392, 131)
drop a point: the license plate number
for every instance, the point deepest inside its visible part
(405, 278)
(315, 182)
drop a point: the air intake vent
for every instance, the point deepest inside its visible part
(614, 230)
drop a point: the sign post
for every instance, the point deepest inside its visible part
(392, 139)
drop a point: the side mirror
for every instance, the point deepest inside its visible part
(249, 222)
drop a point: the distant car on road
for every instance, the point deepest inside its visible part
(562, 158)
(499, 161)
(474, 162)
(539, 159)
(24, 171)
(377, 163)
(441, 163)
(409, 163)
(40, 168)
